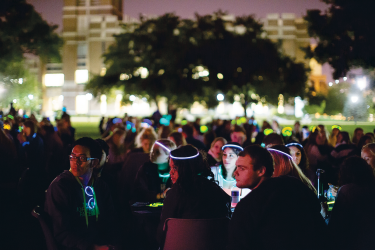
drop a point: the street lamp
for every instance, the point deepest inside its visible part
(354, 99)
(361, 82)
(220, 97)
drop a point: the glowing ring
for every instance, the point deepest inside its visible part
(161, 145)
(92, 191)
(293, 144)
(183, 158)
(164, 175)
(271, 149)
(88, 203)
(231, 146)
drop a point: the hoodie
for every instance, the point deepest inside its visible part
(64, 204)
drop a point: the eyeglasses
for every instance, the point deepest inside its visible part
(80, 158)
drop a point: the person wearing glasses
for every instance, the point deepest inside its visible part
(74, 199)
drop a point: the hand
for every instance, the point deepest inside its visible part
(165, 192)
(96, 247)
(162, 195)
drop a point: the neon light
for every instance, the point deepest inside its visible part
(184, 122)
(293, 144)
(34, 135)
(281, 152)
(25, 143)
(161, 145)
(10, 116)
(89, 202)
(157, 204)
(203, 129)
(6, 126)
(183, 158)
(91, 190)
(231, 146)
(164, 175)
(336, 126)
(287, 131)
(268, 131)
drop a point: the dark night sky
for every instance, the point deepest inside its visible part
(51, 10)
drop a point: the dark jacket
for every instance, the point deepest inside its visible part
(206, 200)
(148, 184)
(352, 223)
(282, 213)
(64, 204)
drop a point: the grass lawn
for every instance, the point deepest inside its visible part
(90, 128)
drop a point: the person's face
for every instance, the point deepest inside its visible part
(229, 158)
(216, 149)
(77, 167)
(238, 137)
(146, 145)
(339, 138)
(296, 154)
(173, 172)
(118, 139)
(368, 157)
(359, 134)
(27, 130)
(335, 131)
(321, 138)
(245, 175)
(158, 155)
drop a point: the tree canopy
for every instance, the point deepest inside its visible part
(345, 35)
(194, 60)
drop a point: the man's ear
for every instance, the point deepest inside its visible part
(262, 171)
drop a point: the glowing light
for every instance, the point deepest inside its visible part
(287, 131)
(330, 84)
(15, 100)
(6, 126)
(231, 146)
(144, 99)
(354, 99)
(161, 72)
(134, 130)
(281, 152)
(239, 69)
(20, 81)
(161, 145)
(124, 77)
(89, 96)
(298, 106)
(52, 80)
(81, 76)
(220, 97)
(345, 78)
(30, 97)
(336, 126)
(337, 81)
(220, 76)
(268, 131)
(361, 82)
(144, 73)
(164, 121)
(132, 98)
(184, 158)
(184, 122)
(203, 73)
(103, 71)
(82, 104)
(293, 144)
(203, 129)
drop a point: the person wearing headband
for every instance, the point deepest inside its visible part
(276, 208)
(74, 199)
(153, 178)
(284, 165)
(193, 195)
(300, 158)
(224, 172)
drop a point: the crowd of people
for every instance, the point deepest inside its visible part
(87, 186)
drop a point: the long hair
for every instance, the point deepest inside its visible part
(284, 165)
(356, 170)
(237, 151)
(178, 138)
(190, 170)
(146, 134)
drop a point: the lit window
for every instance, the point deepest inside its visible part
(53, 80)
(82, 104)
(82, 76)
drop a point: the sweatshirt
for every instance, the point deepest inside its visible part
(64, 204)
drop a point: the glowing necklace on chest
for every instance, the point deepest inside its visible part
(89, 191)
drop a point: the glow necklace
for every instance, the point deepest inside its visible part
(91, 189)
(281, 152)
(293, 144)
(161, 145)
(183, 158)
(232, 146)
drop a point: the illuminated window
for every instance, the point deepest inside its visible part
(53, 80)
(82, 104)
(81, 76)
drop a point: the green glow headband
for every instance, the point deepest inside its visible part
(161, 145)
(268, 131)
(337, 126)
(287, 131)
(232, 146)
(183, 158)
(281, 152)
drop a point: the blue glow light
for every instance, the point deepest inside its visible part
(281, 152)
(183, 158)
(231, 146)
(293, 144)
(161, 145)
